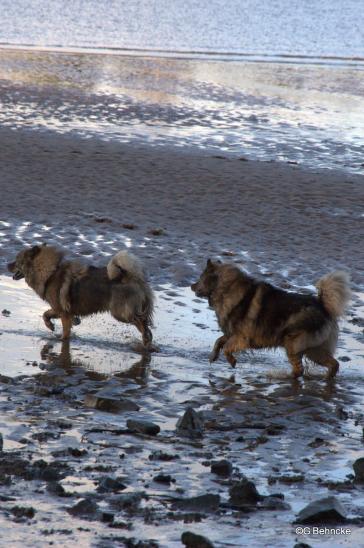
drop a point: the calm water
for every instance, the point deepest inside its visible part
(308, 28)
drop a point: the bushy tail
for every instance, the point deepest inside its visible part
(334, 292)
(124, 261)
(141, 304)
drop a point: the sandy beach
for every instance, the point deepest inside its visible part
(80, 474)
(275, 218)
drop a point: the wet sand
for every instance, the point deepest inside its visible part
(173, 209)
(299, 439)
(176, 208)
(305, 113)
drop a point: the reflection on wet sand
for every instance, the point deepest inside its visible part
(298, 113)
(137, 370)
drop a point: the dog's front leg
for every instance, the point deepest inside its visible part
(66, 326)
(295, 359)
(230, 358)
(219, 343)
(48, 316)
(235, 343)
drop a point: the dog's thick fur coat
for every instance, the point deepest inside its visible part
(254, 314)
(73, 289)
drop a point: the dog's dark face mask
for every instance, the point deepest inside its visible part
(208, 280)
(23, 262)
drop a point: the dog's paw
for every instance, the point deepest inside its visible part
(49, 324)
(231, 360)
(153, 348)
(297, 373)
(332, 372)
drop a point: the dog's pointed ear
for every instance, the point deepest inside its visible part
(34, 251)
(122, 273)
(210, 265)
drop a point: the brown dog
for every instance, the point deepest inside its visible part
(73, 289)
(254, 314)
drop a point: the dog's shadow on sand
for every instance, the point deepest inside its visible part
(137, 370)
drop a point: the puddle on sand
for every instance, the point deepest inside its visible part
(270, 428)
(270, 111)
(100, 343)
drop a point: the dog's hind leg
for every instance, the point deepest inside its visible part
(332, 365)
(48, 315)
(325, 359)
(144, 329)
(219, 343)
(296, 362)
(67, 326)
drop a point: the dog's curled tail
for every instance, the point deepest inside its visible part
(334, 292)
(124, 261)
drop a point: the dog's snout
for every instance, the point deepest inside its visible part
(11, 267)
(193, 287)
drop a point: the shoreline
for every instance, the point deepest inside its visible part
(190, 55)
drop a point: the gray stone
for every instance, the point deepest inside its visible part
(359, 469)
(55, 488)
(164, 478)
(127, 501)
(110, 484)
(243, 493)
(143, 427)
(191, 540)
(13, 465)
(190, 425)
(45, 471)
(85, 508)
(5, 379)
(221, 467)
(356, 321)
(274, 502)
(201, 503)
(161, 455)
(326, 510)
(20, 512)
(110, 403)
